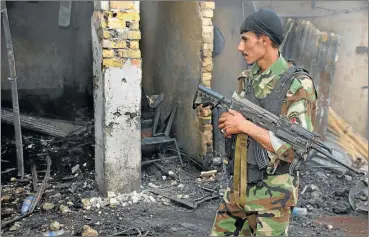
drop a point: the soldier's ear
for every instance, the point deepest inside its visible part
(268, 40)
(263, 40)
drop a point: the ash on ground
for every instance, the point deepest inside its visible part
(174, 199)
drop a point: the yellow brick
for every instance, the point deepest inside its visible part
(118, 44)
(203, 122)
(134, 35)
(207, 68)
(103, 23)
(207, 37)
(207, 83)
(134, 45)
(126, 16)
(207, 29)
(208, 127)
(135, 25)
(108, 53)
(207, 53)
(208, 13)
(206, 22)
(208, 46)
(136, 62)
(206, 76)
(115, 23)
(122, 34)
(122, 5)
(210, 5)
(130, 54)
(106, 34)
(207, 61)
(205, 113)
(113, 62)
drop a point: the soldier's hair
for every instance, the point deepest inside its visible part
(274, 45)
(264, 22)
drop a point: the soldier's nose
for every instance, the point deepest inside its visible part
(240, 47)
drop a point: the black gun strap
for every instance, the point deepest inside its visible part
(286, 78)
(279, 92)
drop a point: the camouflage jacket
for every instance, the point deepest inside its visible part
(299, 106)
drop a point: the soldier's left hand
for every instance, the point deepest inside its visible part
(231, 123)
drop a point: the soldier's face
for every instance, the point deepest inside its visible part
(251, 47)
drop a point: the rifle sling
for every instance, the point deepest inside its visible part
(240, 170)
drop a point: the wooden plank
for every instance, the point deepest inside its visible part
(355, 145)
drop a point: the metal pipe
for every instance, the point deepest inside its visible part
(13, 81)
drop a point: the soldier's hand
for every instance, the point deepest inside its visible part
(231, 123)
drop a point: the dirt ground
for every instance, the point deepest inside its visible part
(74, 201)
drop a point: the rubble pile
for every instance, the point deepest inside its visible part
(174, 198)
(65, 153)
(64, 209)
(71, 203)
(326, 193)
(167, 194)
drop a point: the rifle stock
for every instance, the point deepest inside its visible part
(298, 137)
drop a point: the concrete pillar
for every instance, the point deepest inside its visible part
(117, 95)
(204, 115)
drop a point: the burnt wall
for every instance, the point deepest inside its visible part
(170, 45)
(317, 52)
(348, 72)
(228, 17)
(54, 64)
(348, 19)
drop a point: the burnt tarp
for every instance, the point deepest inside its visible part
(317, 52)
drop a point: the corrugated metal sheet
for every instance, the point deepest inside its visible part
(317, 52)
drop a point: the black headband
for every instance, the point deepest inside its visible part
(264, 22)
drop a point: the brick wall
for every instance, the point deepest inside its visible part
(206, 15)
(119, 31)
(120, 35)
(204, 114)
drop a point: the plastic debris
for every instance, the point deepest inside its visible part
(26, 204)
(298, 211)
(53, 233)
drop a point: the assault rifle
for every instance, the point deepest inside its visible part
(298, 137)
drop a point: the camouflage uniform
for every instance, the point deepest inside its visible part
(268, 205)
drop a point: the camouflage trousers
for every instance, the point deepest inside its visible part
(232, 220)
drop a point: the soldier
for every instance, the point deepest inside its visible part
(262, 193)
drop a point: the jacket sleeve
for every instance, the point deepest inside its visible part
(301, 106)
